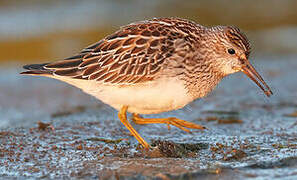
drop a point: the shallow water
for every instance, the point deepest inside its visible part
(248, 136)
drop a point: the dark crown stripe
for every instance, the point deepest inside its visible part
(239, 39)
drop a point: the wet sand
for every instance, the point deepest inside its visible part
(52, 130)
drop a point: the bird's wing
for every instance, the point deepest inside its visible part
(134, 54)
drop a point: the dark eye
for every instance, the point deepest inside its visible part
(231, 51)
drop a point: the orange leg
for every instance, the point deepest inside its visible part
(123, 117)
(169, 121)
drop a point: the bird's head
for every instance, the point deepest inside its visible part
(231, 50)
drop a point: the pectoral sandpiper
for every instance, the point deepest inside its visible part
(155, 66)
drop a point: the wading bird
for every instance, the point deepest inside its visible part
(155, 66)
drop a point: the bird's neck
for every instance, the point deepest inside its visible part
(201, 76)
(202, 83)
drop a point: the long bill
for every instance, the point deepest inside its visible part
(250, 71)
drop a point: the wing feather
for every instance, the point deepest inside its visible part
(134, 54)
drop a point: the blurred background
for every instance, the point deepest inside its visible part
(38, 31)
(35, 31)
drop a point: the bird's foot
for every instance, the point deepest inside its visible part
(123, 117)
(169, 121)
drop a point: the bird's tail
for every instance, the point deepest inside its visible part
(37, 69)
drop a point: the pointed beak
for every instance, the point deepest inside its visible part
(250, 71)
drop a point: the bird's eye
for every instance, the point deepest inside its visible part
(231, 51)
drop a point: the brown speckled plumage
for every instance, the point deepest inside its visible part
(137, 53)
(140, 52)
(155, 66)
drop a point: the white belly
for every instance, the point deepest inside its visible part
(150, 98)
